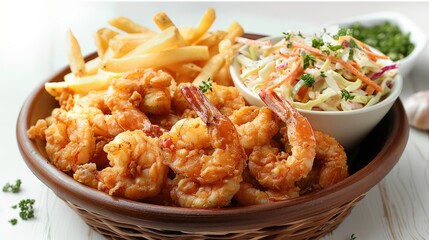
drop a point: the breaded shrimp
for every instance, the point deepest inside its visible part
(206, 155)
(256, 126)
(69, 139)
(225, 99)
(273, 168)
(125, 95)
(330, 164)
(136, 167)
(252, 193)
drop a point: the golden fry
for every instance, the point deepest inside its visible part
(191, 35)
(188, 69)
(127, 25)
(123, 44)
(234, 30)
(157, 59)
(212, 39)
(91, 66)
(223, 77)
(210, 69)
(81, 85)
(76, 61)
(226, 50)
(102, 38)
(163, 21)
(167, 39)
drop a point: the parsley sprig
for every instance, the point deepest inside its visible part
(26, 209)
(346, 95)
(308, 79)
(12, 188)
(309, 60)
(13, 221)
(206, 85)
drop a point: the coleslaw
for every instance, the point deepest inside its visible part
(325, 73)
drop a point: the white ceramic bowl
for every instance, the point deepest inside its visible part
(348, 127)
(417, 37)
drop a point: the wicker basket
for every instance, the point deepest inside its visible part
(313, 227)
(307, 217)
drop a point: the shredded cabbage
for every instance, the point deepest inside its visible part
(334, 86)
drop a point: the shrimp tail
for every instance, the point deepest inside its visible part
(282, 107)
(200, 103)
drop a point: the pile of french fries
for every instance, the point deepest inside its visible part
(189, 54)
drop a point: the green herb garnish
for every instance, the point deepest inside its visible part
(353, 237)
(12, 188)
(342, 32)
(308, 79)
(317, 43)
(351, 53)
(346, 95)
(334, 47)
(207, 85)
(326, 51)
(322, 73)
(287, 35)
(26, 208)
(309, 60)
(13, 221)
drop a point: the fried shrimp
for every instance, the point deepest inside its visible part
(252, 193)
(278, 170)
(206, 155)
(256, 126)
(333, 158)
(226, 99)
(127, 94)
(70, 139)
(330, 164)
(136, 166)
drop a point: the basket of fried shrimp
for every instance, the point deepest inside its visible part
(147, 138)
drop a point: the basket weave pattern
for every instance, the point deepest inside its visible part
(313, 227)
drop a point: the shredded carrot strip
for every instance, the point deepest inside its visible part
(294, 74)
(372, 55)
(252, 42)
(375, 55)
(369, 90)
(348, 66)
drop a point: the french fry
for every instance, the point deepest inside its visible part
(102, 38)
(225, 49)
(167, 39)
(127, 25)
(212, 39)
(123, 44)
(157, 59)
(188, 69)
(191, 35)
(91, 66)
(223, 76)
(210, 69)
(162, 20)
(234, 30)
(76, 61)
(82, 85)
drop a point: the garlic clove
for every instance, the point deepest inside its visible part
(417, 109)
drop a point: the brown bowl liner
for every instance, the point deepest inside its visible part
(307, 217)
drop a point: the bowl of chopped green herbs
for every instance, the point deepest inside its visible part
(391, 33)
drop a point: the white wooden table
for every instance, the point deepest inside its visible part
(32, 47)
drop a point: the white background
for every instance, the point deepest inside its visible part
(32, 47)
